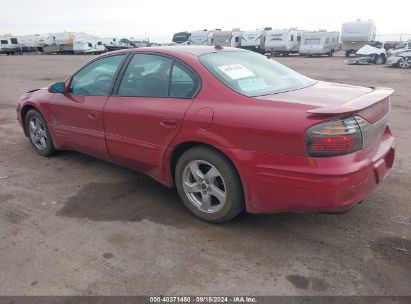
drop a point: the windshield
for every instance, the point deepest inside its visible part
(252, 74)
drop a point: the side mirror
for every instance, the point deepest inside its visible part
(58, 87)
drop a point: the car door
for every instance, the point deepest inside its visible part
(78, 114)
(147, 109)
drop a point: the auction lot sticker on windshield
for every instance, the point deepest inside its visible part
(252, 84)
(236, 71)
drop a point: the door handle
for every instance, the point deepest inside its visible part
(168, 122)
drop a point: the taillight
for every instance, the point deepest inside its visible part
(336, 137)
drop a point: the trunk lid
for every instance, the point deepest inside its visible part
(335, 99)
(329, 100)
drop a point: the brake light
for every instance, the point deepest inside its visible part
(336, 137)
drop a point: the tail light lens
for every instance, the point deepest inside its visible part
(336, 137)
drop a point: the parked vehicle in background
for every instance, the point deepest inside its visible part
(119, 44)
(223, 38)
(356, 34)
(200, 38)
(283, 42)
(9, 45)
(181, 38)
(319, 43)
(231, 129)
(30, 43)
(373, 53)
(254, 40)
(401, 57)
(236, 38)
(60, 43)
(88, 46)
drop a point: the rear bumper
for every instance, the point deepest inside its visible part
(278, 183)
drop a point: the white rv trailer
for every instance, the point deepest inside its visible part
(236, 38)
(254, 40)
(222, 38)
(284, 42)
(58, 43)
(30, 43)
(9, 45)
(356, 34)
(88, 46)
(200, 38)
(319, 43)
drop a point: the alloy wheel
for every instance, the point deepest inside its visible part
(204, 186)
(405, 62)
(38, 133)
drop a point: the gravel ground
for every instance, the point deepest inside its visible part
(75, 225)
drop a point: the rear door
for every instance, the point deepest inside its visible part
(78, 114)
(147, 109)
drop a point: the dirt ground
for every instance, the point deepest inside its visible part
(75, 225)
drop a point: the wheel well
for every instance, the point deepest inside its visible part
(24, 111)
(183, 147)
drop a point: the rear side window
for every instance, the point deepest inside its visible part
(184, 83)
(13, 40)
(4, 42)
(149, 75)
(146, 76)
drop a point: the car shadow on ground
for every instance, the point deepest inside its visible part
(139, 197)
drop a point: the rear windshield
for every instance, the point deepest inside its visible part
(252, 74)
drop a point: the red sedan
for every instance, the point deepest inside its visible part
(231, 129)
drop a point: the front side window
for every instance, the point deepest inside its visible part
(146, 76)
(13, 40)
(97, 77)
(252, 74)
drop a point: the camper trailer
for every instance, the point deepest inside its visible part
(319, 43)
(61, 43)
(254, 40)
(283, 42)
(181, 38)
(9, 45)
(30, 43)
(356, 34)
(222, 38)
(200, 38)
(236, 38)
(88, 46)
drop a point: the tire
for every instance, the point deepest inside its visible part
(347, 53)
(331, 53)
(404, 63)
(38, 133)
(209, 185)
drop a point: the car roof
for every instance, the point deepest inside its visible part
(196, 50)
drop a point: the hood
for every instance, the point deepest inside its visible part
(368, 50)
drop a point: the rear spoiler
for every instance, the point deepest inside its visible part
(356, 104)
